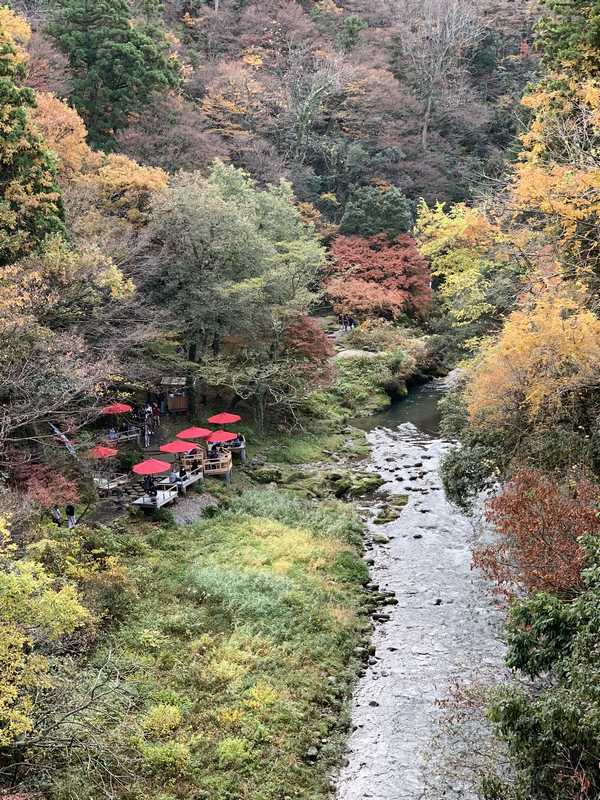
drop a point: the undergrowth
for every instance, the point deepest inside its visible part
(235, 659)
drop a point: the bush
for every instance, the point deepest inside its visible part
(234, 751)
(168, 758)
(110, 591)
(161, 720)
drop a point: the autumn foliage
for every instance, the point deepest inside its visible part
(539, 524)
(308, 344)
(372, 276)
(47, 487)
(547, 356)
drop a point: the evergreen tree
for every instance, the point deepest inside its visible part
(116, 66)
(370, 211)
(30, 206)
(349, 36)
(571, 35)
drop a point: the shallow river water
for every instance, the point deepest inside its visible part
(444, 628)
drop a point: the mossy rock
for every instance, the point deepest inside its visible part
(355, 484)
(398, 500)
(267, 475)
(386, 515)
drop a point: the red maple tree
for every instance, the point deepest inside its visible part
(46, 487)
(539, 524)
(373, 276)
(307, 343)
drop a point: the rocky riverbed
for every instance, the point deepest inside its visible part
(443, 629)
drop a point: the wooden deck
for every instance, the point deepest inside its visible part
(218, 467)
(193, 477)
(110, 484)
(164, 496)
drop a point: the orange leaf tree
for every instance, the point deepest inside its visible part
(539, 525)
(373, 276)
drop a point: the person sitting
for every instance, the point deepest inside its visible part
(150, 487)
(176, 478)
(215, 453)
(112, 434)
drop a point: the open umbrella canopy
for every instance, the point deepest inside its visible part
(117, 408)
(152, 466)
(103, 452)
(177, 447)
(194, 433)
(224, 418)
(222, 436)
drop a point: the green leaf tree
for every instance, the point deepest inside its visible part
(349, 36)
(117, 66)
(370, 211)
(30, 207)
(570, 36)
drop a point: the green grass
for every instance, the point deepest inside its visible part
(238, 653)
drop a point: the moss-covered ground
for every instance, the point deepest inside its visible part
(236, 650)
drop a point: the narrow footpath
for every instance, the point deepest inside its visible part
(443, 629)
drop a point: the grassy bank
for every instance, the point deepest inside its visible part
(234, 658)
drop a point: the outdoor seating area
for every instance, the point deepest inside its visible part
(221, 465)
(196, 453)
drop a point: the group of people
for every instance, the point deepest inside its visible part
(146, 420)
(347, 322)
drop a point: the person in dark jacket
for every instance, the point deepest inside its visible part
(70, 512)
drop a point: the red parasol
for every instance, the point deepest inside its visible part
(222, 436)
(103, 452)
(194, 433)
(151, 467)
(224, 418)
(117, 408)
(177, 447)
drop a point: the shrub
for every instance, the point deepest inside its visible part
(161, 720)
(110, 590)
(168, 758)
(234, 751)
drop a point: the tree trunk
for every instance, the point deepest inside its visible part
(426, 123)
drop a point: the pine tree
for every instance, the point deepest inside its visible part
(116, 66)
(30, 206)
(571, 36)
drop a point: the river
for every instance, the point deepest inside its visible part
(443, 629)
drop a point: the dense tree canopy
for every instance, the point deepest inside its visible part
(30, 207)
(117, 66)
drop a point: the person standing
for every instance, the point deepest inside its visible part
(56, 515)
(70, 512)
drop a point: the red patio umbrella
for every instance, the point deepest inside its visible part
(224, 418)
(103, 452)
(194, 433)
(117, 408)
(222, 436)
(177, 447)
(151, 466)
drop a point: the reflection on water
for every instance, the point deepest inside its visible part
(420, 407)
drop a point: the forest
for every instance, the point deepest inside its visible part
(225, 190)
